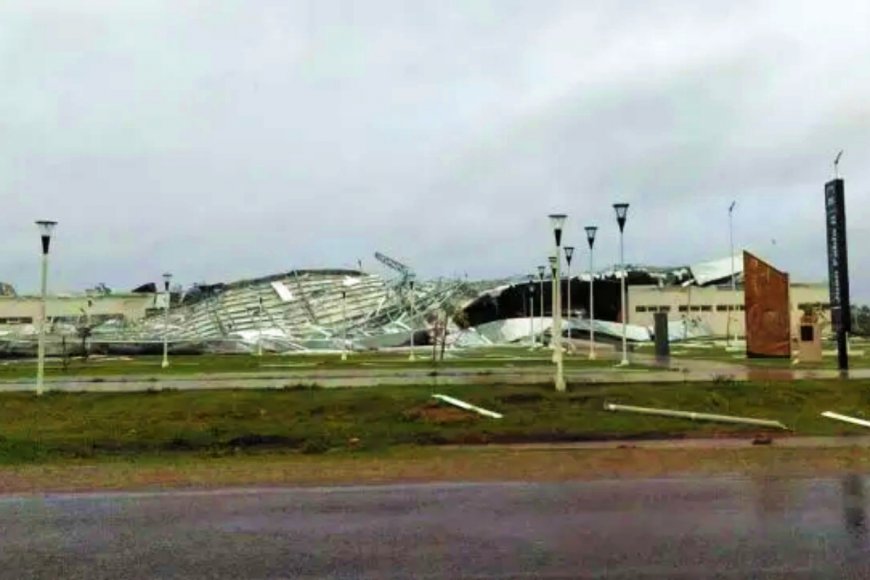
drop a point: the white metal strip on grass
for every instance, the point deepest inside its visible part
(846, 418)
(468, 406)
(695, 416)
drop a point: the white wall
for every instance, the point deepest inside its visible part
(26, 308)
(712, 305)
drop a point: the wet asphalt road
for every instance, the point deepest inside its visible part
(676, 528)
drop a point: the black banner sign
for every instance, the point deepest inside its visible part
(838, 262)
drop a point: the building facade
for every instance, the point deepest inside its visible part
(24, 310)
(718, 307)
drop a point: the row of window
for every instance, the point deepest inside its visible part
(688, 308)
(719, 307)
(652, 308)
(95, 319)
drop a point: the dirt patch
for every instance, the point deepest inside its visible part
(416, 465)
(439, 414)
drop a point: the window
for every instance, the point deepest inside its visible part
(664, 308)
(640, 308)
(684, 308)
(17, 320)
(65, 319)
(721, 308)
(706, 308)
(695, 308)
(806, 333)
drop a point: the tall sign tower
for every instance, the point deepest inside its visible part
(838, 264)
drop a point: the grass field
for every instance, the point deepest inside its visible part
(315, 421)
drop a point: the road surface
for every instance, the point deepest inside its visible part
(665, 528)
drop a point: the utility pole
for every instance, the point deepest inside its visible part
(558, 222)
(411, 318)
(621, 210)
(259, 326)
(45, 229)
(531, 289)
(541, 270)
(569, 252)
(166, 278)
(590, 238)
(733, 277)
(344, 324)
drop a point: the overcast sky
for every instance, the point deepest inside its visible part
(220, 140)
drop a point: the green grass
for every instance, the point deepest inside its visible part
(64, 425)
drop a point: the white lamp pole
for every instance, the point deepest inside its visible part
(621, 210)
(552, 261)
(541, 270)
(344, 324)
(558, 222)
(411, 319)
(167, 277)
(45, 229)
(733, 278)
(259, 326)
(569, 252)
(532, 311)
(590, 238)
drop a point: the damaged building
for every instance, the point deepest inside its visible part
(333, 309)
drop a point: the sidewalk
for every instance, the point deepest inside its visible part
(790, 442)
(680, 370)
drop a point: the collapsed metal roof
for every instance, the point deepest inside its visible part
(316, 308)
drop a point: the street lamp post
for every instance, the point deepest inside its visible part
(259, 326)
(541, 270)
(532, 310)
(552, 261)
(558, 221)
(45, 229)
(621, 210)
(590, 238)
(167, 277)
(569, 252)
(733, 278)
(411, 286)
(344, 324)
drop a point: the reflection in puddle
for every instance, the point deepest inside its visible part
(854, 516)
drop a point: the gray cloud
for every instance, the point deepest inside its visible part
(226, 139)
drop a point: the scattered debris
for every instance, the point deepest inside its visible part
(762, 439)
(433, 412)
(695, 416)
(846, 418)
(468, 406)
